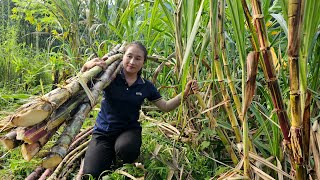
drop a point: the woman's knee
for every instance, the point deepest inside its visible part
(127, 146)
(127, 154)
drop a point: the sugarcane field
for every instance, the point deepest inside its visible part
(160, 89)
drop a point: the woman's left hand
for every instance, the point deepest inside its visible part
(191, 88)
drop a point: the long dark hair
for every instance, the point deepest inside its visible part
(143, 48)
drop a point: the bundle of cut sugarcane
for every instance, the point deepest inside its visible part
(34, 123)
(72, 162)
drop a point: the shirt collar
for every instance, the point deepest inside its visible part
(139, 80)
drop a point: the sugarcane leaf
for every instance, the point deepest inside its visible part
(282, 22)
(191, 40)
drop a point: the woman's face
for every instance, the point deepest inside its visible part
(133, 59)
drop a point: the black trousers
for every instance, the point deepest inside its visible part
(103, 149)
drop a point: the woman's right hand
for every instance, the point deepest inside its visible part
(94, 62)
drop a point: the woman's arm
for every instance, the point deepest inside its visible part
(166, 106)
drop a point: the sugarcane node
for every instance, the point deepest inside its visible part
(295, 92)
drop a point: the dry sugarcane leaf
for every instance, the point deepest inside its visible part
(260, 173)
(306, 127)
(236, 177)
(156, 150)
(252, 68)
(267, 163)
(156, 72)
(170, 174)
(214, 107)
(260, 165)
(233, 172)
(280, 176)
(169, 128)
(126, 174)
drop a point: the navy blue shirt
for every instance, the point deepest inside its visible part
(121, 104)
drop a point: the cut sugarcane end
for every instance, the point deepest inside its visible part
(51, 161)
(30, 118)
(29, 150)
(7, 143)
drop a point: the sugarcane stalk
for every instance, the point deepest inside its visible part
(253, 38)
(71, 165)
(9, 141)
(33, 134)
(177, 33)
(35, 174)
(46, 174)
(76, 156)
(315, 146)
(28, 151)
(38, 110)
(218, 69)
(65, 159)
(78, 140)
(294, 17)
(60, 149)
(220, 132)
(83, 132)
(306, 127)
(270, 75)
(230, 79)
(67, 170)
(80, 173)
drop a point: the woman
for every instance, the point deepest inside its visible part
(117, 132)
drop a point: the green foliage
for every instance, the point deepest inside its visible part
(34, 12)
(13, 166)
(22, 67)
